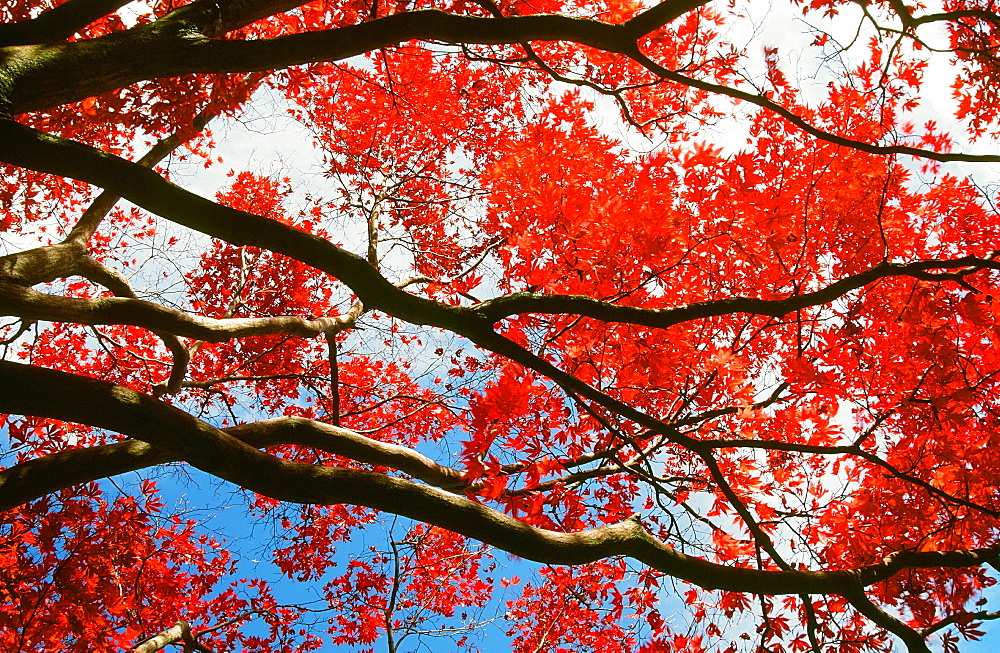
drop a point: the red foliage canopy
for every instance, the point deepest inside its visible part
(705, 327)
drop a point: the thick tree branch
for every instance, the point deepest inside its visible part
(28, 390)
(145, 188)
(35, 478)
(71, 257)
(51, 262)
(148, 190)
(53, 472)
(68, 258)
(58, 23)
(42, 264)
(659, 15)
(59, 73)
(37, 72)
(913, 640)
(42, 76)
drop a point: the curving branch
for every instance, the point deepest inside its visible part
(961, 618)
(148, 190)
(37, 77)
(909, 20)
(42, 264)
(44, 475)
(72, 257)
(913, 640)
(46, 153)
(28, 390)
(793, 118)
(38, 477)
(145, 188)
(37, 72)
(19, 301)
(347, 443)
(57, 23)
(68, 258)
(184, 42)
(103, 203)
(181, 632)
(503, 307)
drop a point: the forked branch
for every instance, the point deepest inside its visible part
(28, 390)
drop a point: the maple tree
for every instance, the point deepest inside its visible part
(761, 377)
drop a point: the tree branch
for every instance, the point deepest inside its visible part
(800, 122)
(104, 202)
(961, 618)
(33, 391)
(59, 73)
(913, 640)
(58, 23)
(179, 632)
(145, 188)
(35, 478)
(503, 307)
(29, 148)
(19, 301)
